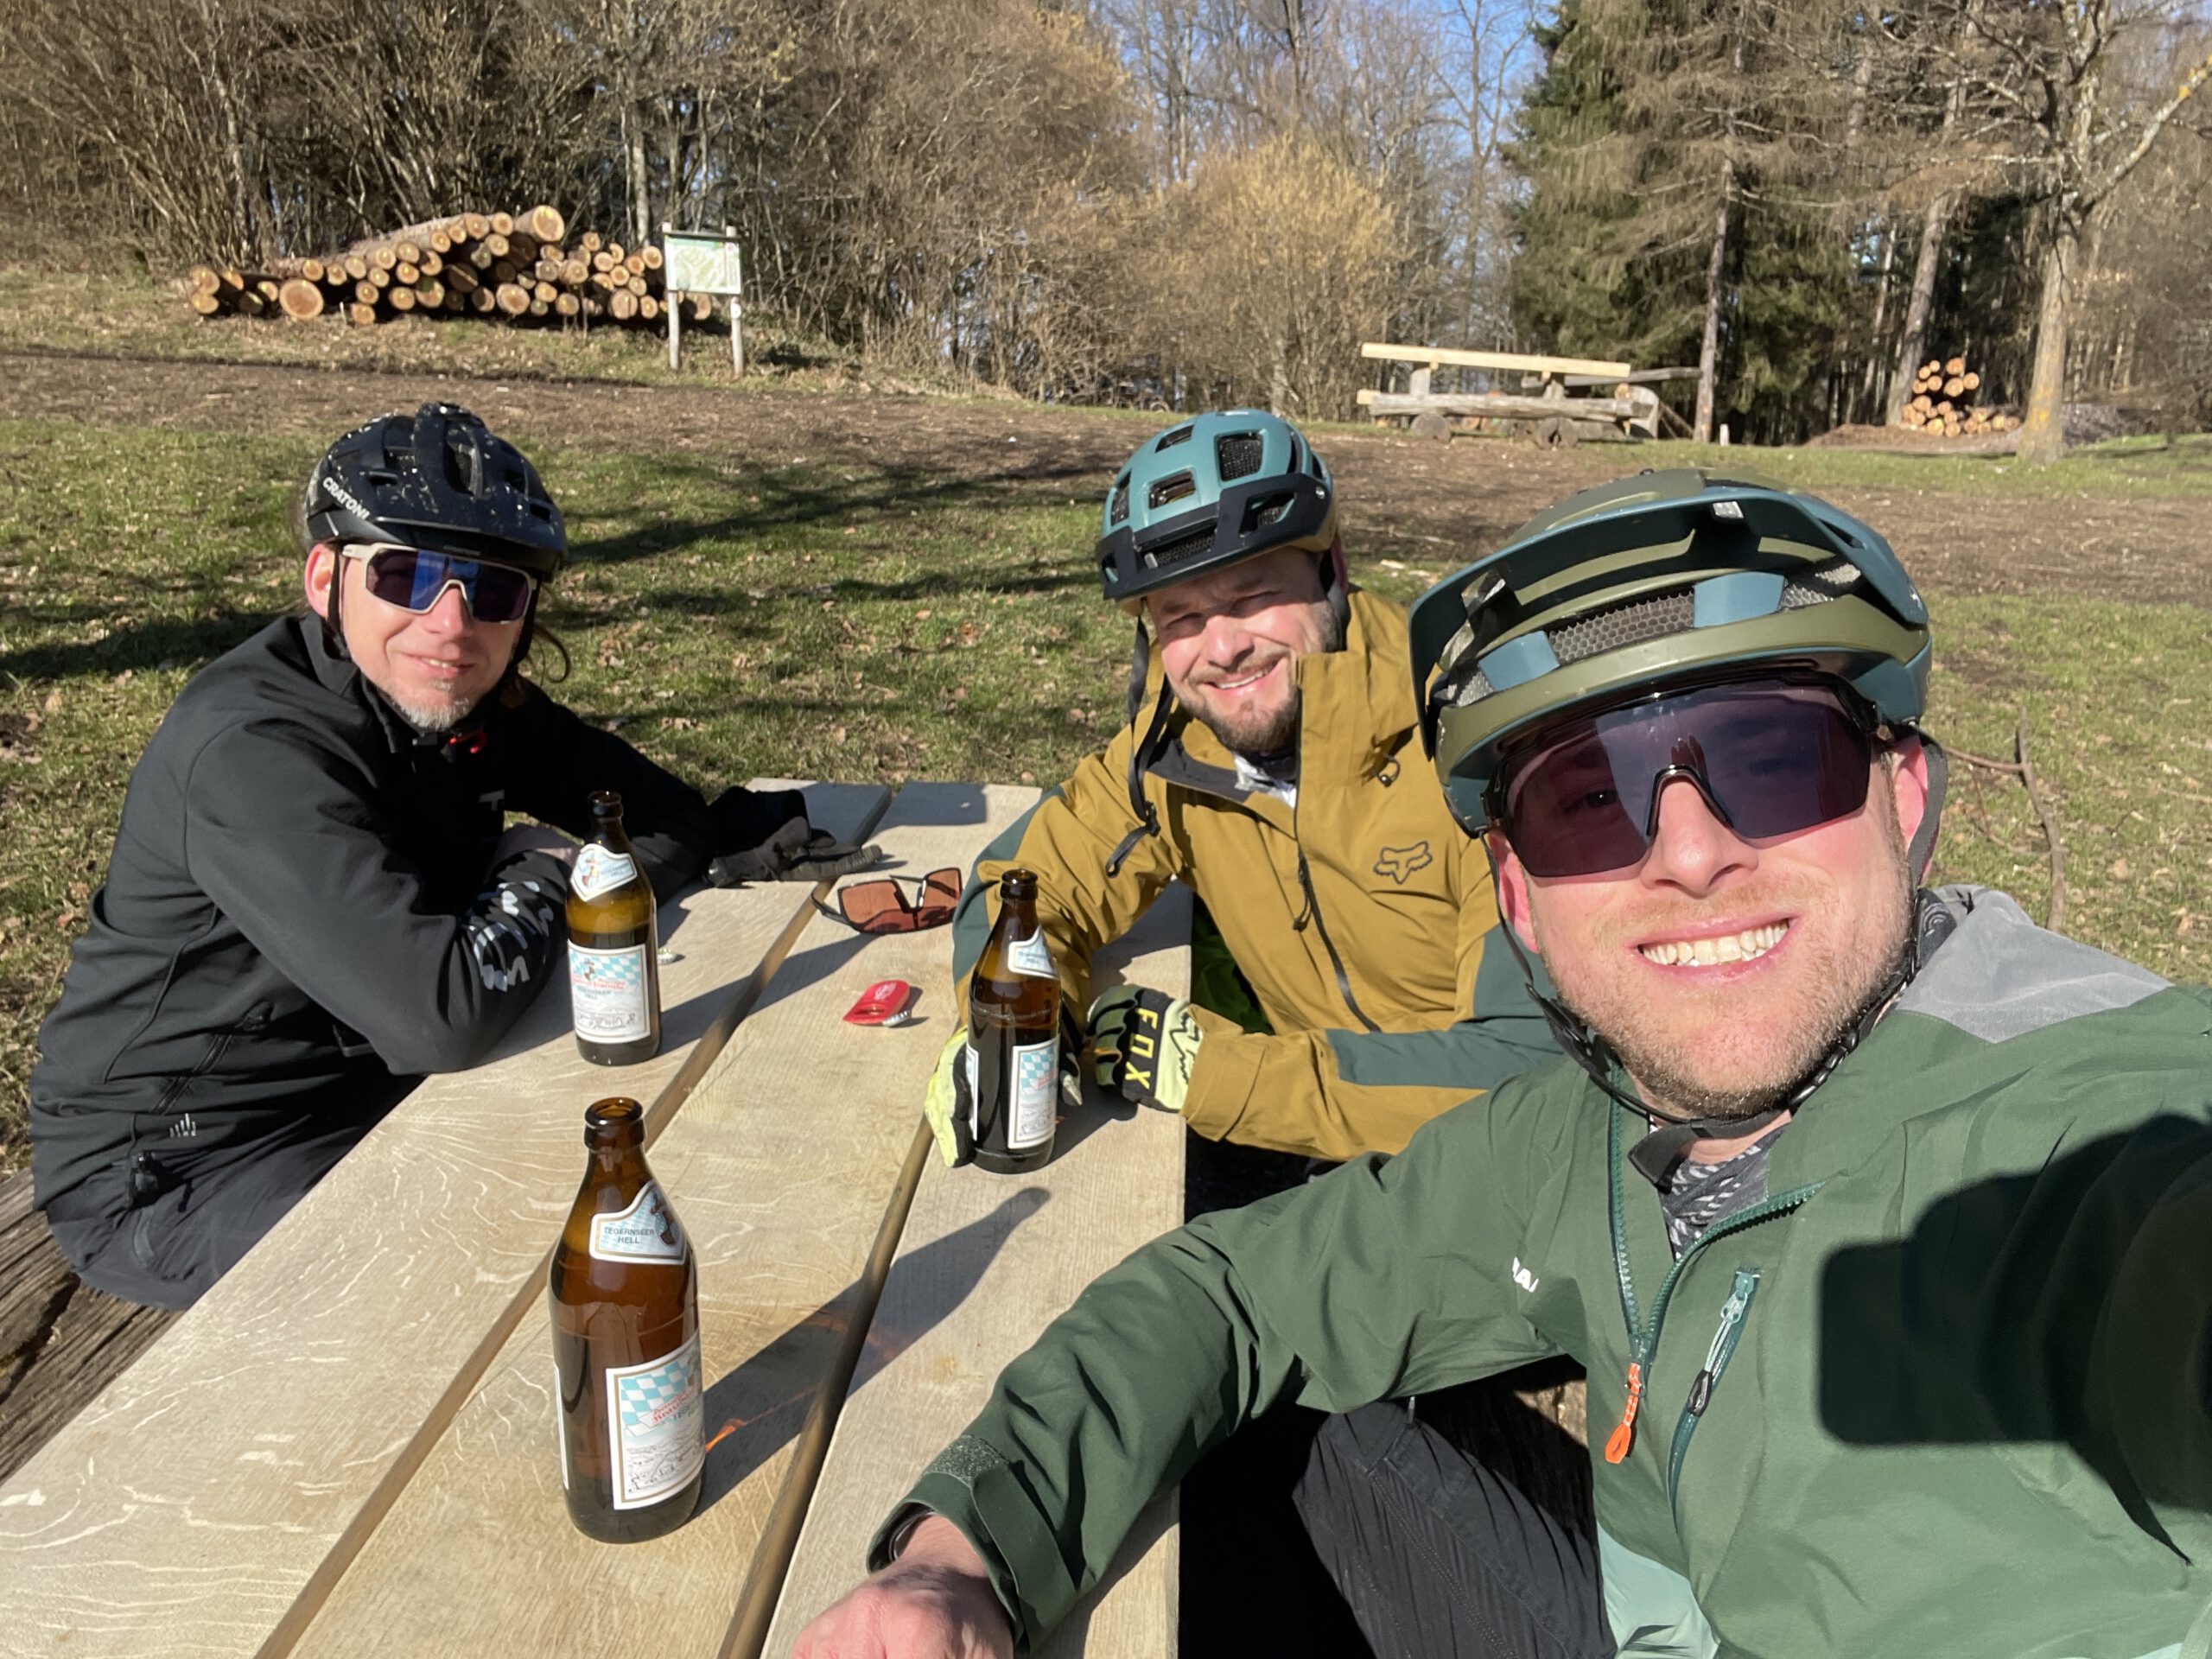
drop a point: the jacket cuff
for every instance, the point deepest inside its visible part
(1222, 1077)
(971, 1484)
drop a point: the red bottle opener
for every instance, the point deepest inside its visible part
(887, 1002)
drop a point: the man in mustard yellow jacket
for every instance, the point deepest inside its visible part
(1272, 764)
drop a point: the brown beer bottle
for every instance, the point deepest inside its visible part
(1014, 1036)
(614, 944)
(625, 1295)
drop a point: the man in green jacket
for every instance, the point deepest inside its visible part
(1878, 1216)
(1271, 763)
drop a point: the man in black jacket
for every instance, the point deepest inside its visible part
(311, 903)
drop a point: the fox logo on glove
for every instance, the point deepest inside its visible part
(1401, 862)
(1145, 1044)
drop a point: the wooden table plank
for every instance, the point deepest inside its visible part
(204, 1502)
(985, 1262)
(781, 1164)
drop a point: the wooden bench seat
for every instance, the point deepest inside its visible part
(62, 1341)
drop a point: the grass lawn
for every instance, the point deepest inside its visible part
(856, 620)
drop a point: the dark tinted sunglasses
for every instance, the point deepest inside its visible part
(880, 906)
(1770, 757)
(415, 579)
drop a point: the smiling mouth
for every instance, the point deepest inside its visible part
(1747, 946)
(1249, 680)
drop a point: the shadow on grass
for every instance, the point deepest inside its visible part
(141, 646)
(788, 505)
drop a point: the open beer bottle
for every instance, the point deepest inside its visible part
(1014, 1036)
(614, 944)
(625, 1295)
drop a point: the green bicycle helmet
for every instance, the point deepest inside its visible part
(1660, 581)
(1208, 492)
(1664, 579)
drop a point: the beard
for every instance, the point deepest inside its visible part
(433, 717)
(1709, 1063)
(1258, 732)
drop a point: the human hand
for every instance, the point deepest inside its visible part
(949, 1105)
(1144, 1044)
(934, 1602)
(533, 838)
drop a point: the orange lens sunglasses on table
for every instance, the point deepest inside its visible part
(880, 906)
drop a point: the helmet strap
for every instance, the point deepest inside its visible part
(1922, 853)
(334, 631)
(1143, 751)
(1140, 669)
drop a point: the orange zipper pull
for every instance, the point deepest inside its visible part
(1623, 1434)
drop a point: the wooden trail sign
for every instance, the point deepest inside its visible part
(699, 262)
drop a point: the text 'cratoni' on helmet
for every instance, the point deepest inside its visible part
(1662, 579)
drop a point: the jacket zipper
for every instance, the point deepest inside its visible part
(1313, 913)
(217, 1046)
(1725, 1338)
(1643, 1343)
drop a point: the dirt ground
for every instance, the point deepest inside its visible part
(1430, 504)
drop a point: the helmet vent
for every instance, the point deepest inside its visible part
(1620, 625)
(1169, 440)
(1270, 510)
(1172, 488)
(1117, 509)
(1623, 624)
(1183, 547)
(1238, 456)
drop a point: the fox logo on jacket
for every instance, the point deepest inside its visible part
(1401, 862)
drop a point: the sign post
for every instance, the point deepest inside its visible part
(699, 262)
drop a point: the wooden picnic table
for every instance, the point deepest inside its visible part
(347, 1445)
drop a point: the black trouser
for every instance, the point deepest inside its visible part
(1439, 1558)
(189, 1219)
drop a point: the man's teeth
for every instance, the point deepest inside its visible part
(1748, 946)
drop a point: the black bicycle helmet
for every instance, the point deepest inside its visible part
(437, 479)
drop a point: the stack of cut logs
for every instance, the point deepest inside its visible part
(503, 267)
(1941, 403)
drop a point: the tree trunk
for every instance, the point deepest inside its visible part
(1909, 343)
(2042, 434)
(1716, 266)
(634, 157)
(1871, 393)
(1708, 349)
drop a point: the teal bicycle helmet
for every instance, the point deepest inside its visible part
(1208, 493)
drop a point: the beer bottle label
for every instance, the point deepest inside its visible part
(1030, 957)
(655, 1418)
(1036, 1091)
(647, 1231)
(599, 871)
(607, 992)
